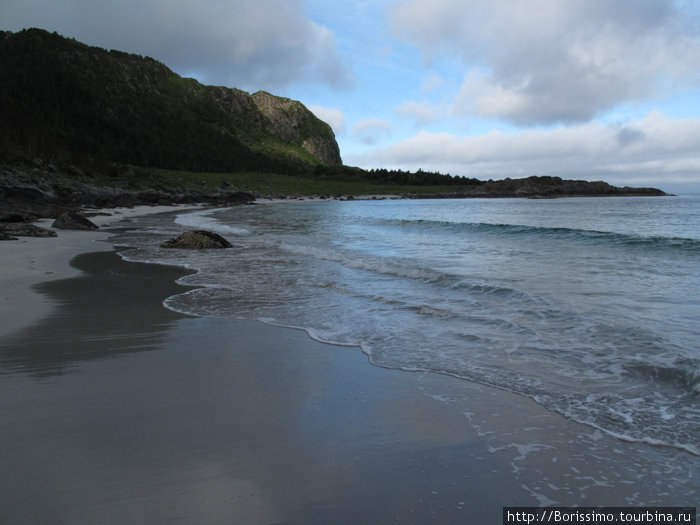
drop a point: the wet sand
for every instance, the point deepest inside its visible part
(32, 260)
(117, 410)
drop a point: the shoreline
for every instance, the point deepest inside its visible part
(30, 261)
(117, 409)
(242, 420)
(125, 411)
(262, 199)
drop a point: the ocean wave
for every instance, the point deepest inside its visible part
(685, 374)
(562, 233)
(411, 270)
(382, 265)
(202, 220)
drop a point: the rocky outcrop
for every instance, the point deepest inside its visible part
(73, 221)
(197, 240)
(11, 230)
(323, 148)
(39, 192)
(293, 122)
(14, 225)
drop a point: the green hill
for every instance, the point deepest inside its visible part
(75, 104)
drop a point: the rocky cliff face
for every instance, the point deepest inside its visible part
(293, 122)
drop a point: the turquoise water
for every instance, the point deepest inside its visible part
(590, 306)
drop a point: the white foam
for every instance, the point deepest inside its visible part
(380, 265)
(203, 220)
(542, 500)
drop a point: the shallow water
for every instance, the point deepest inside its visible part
(590, 307)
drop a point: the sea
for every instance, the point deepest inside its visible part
(590, 307)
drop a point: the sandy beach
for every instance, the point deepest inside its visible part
(117, 410)
(32, 260)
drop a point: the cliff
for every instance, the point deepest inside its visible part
(290, 120)
(75, 104)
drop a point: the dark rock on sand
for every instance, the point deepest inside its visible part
(197, 240)
(10, 230)
(234, 197)
(73, 221)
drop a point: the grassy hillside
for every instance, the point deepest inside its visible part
(84, 105)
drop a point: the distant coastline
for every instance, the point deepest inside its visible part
(42, 190)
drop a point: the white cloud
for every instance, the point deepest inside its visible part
(423, 112)
(547, 61)
(655, 148)
(370, 131)
(335, 118)
(249, 44)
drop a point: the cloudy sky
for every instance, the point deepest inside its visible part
(591, 89)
